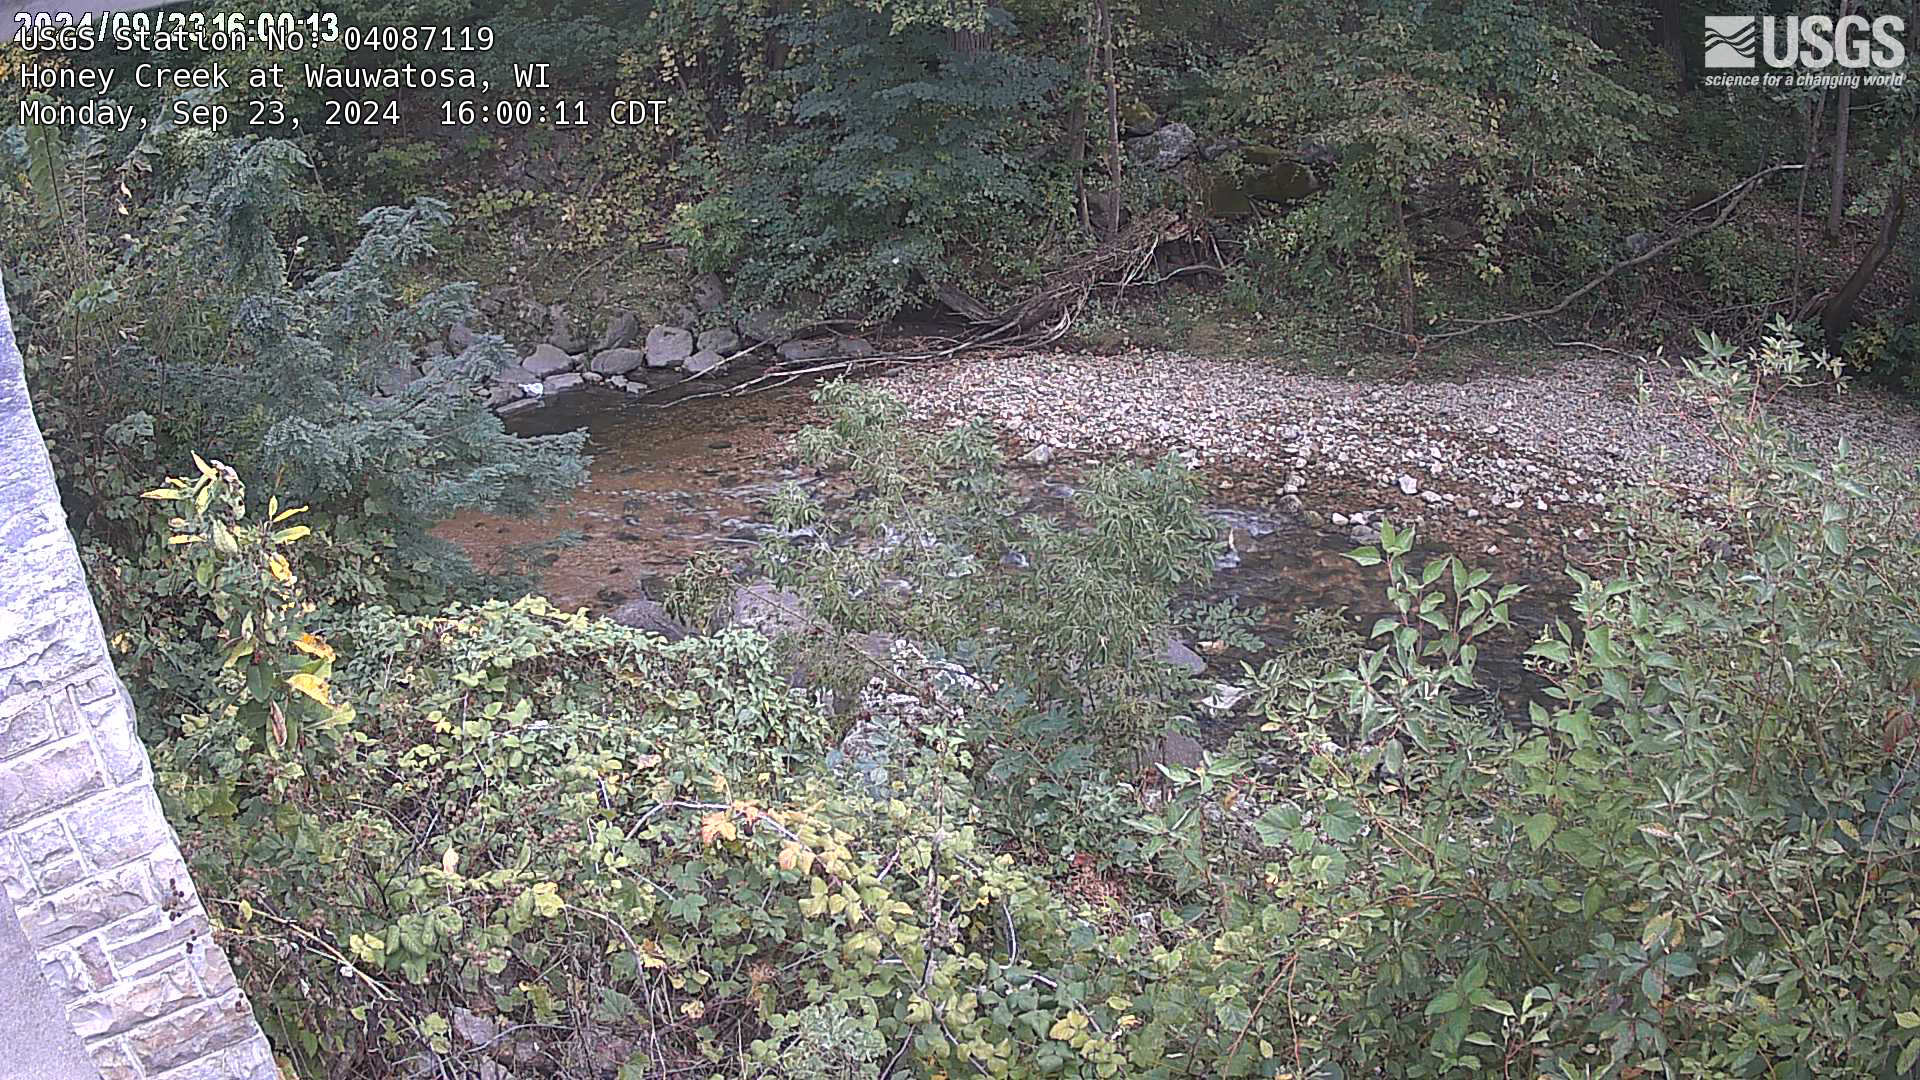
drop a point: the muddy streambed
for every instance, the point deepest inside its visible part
(668, 483)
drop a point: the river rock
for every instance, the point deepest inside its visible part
(547, 359)
(771, 326)
(651, 616)
(460, 337)
(801, 351)
(561, 333)
(854, 348)
(721, 340)
(1408, 485)
(523, 405)
(709, 292)
(1175, 652)
(702, 362)
(618, 361)
(771, 610)
(515, 373)
(1039, 455)
(1166, 147)
(668, 346)
(622, 331)
(556, 384)
(1180, 749)
(502, 393)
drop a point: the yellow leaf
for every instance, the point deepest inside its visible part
(277, 566)
(162, 493)
(717, 826)
(1063, 1028)
(285, 514)
(311, 685)
(794, 856)
(313, 646)
(186, 538)
(448, 860)
(650, 956)
(546, 899)
(290, 534)
(206, 470)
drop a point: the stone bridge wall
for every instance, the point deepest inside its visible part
(102, 896)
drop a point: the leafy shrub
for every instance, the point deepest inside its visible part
(1693, 856)
(1691, 859)
(898, 167)
(195, 333)
(608, 845)
(1055, 615)
(1495, 117)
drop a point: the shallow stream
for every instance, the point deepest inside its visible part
(667, 483)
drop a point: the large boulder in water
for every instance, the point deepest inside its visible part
(617, 361)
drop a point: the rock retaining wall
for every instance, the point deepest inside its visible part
(102, 897)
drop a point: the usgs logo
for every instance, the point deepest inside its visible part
(1809, 42)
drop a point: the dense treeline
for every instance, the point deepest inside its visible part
(1412, 167)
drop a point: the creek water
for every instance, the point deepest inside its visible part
(667, 483)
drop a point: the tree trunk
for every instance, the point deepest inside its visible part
(1113, 117)
(1837, 199)
(966, 42)
(1674, 38)
(1838, 316)
(1409, 311)
(1837, 204)
(69, 757)
(1077, 136)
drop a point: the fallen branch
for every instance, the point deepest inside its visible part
(1727, 201)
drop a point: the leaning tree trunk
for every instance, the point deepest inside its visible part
(95, 884)
(1838, 316)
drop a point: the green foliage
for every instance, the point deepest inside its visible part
(898, 166)
(192, 321)
(1057, 620)
(1692, 856)
(1485, 138)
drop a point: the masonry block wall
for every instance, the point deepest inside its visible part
(88, 860)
